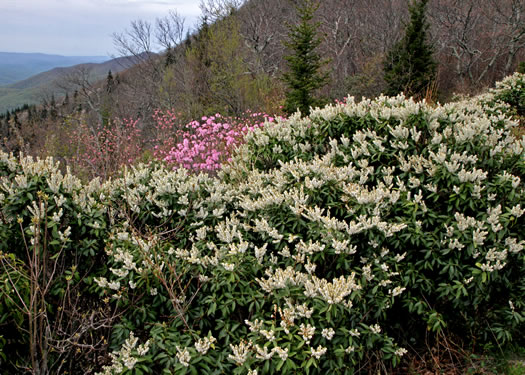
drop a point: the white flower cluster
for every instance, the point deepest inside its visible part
(183, 355)
(332, 292)
(306, 332)
(317, 353)
(328, 333)
(242, 351)
(126, 357)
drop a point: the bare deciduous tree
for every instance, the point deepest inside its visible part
(170, 30)
(480, 39)
(263, 30)
(214, 10)
(509, 16)
(146, 44)
(136, 42)
(80, 81)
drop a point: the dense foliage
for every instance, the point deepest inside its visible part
(330, 242)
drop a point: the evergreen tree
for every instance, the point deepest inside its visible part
(110, 82)
(170, 57)
(199, 62)
(53, 112)
(410, 67)
(304, 77)
(16, 121)
(187, 41)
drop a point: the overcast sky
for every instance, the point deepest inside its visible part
(78, 27)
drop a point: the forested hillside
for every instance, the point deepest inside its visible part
(236, 58)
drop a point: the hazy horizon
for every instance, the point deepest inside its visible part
(54, 54)
(79, 27)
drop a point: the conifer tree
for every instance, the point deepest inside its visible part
(53, 112)
(304, 77)
(170, 57)
(409, 66)
(110, 82)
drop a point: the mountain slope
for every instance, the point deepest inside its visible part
(32, 89)
(18, 66)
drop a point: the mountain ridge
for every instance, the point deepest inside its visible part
(16, 66)
(32, 89)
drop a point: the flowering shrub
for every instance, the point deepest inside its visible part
(255, 267)
(331, 242)
(511, 91)
(458, 172)
(52, 230)
(206, 144)
(102, 152)
(351, 216)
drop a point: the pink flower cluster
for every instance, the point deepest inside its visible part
(204, 145)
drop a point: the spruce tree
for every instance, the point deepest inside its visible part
(53, 112)
(110, 82)
(170, 57)
(304, 77)
(409, 66)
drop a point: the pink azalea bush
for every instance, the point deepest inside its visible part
(205, 144)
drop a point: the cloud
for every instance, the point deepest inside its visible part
(78, 26)
(188, 7)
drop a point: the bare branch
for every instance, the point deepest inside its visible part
(170, 30)
(214, 10)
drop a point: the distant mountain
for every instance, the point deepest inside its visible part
(16, 66)
(33, 89)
